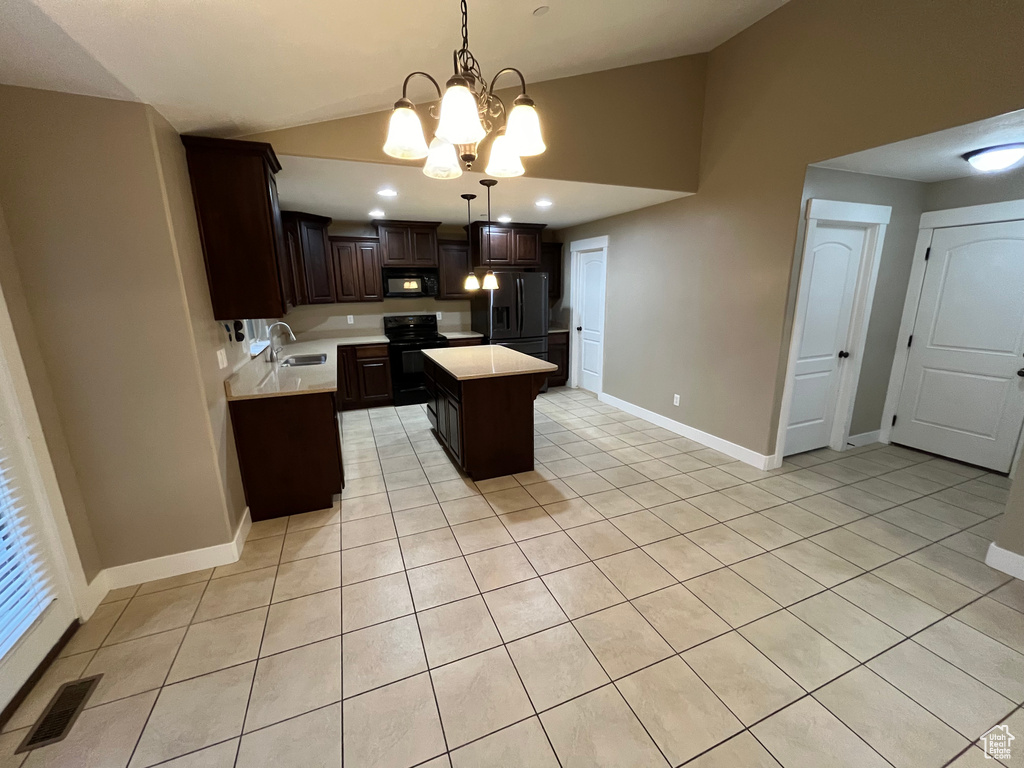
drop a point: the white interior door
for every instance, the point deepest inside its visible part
(828, 286)
(589, 313)
(963, 392)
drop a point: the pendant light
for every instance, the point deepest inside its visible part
(472, 283)
(490, 280)
(504, 161)
(469, 111)
(441, 160)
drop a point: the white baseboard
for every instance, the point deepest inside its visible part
(1004, 560)
(738, 452)
(864, 438)
(175, 565)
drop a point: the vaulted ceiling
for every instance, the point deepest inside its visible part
(241, 66)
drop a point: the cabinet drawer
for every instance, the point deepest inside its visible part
(375, 350)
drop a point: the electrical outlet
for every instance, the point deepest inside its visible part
(675, 399)
(351, 319)
(222, 358)
(439, 315)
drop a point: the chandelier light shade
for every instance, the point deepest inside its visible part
(441, 160)
(405, 133)
(472, 283)
(490, 281)
(523, 129)
(470, 110)
(504, 162)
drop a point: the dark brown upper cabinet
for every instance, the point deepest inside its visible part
(239, 218)
(407, 243)
(551, 262)
(505, 245)
(356, 269)
(314, 255)
(453, 258)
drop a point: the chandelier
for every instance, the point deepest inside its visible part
(470, 111)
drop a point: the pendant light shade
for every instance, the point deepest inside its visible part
(504, 163)
(441, 161)
(405, 133)
(472, 283)
(460, 115)
(490, 281)
(523, 129)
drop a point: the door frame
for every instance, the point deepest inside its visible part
(874, 219)
(576, 249)
(991, 213)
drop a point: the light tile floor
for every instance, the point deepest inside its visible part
(636, 600)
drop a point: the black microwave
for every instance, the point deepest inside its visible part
(410, 283)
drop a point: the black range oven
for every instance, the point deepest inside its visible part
(408, 336)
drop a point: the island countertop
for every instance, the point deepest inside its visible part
(486, 361)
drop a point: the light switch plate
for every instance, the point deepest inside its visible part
(675, 399)
(439, 315)
(351, 319)
(222, 358)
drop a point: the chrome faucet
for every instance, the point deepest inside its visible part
(274, 351)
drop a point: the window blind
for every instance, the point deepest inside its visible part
(25, 590)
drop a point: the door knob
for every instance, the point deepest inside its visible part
(580, 328)
(1021, 373)
(843, 355)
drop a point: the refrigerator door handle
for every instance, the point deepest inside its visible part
(519, 293)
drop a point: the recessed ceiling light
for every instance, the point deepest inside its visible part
(541, 10)
(996, 158)
(387, 192)
(505, 219)
(543, 203)
(377, 213)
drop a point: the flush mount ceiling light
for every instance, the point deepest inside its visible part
(996, 158)
(543, 203)
(377, 213)
(387, 192)
(505, 219)
(470, 111)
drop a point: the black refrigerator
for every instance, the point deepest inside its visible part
(515, 314)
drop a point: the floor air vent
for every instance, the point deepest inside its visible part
(60, 714)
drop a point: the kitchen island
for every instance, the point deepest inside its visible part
(481, 406)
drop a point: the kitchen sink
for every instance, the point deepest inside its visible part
(296, 360)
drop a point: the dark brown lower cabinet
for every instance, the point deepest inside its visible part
(289, 453)
(486, 425)
(558, 353)
(364, 376)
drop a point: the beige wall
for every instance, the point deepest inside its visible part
(637, 126)
(1011, 530)
(906, 198)
(698, 288)
(975, 190)
(91, 233)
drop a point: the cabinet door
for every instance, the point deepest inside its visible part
(453, 260)
(374, 380)
(346, 270)
(452, 431)
(368, 263)
(496, 247)
(551, 262)
(395, 247)
(348, 384)
(525, 247)
(317, 262)
(289, 259)
(424, 245)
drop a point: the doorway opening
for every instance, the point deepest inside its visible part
(587, 301)
(940, 366)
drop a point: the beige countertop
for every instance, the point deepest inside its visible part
(260, 378)
(486, 361)
(461, 334)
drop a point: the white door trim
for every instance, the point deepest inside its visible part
(991, 213)
(875, 218)
(576, 248)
